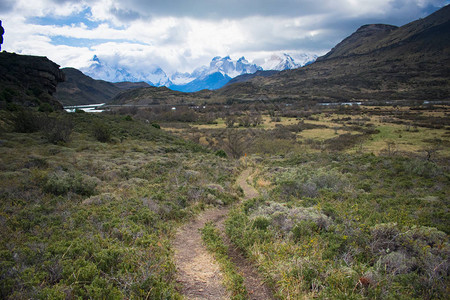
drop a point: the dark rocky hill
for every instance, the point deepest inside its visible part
(28, 80)
(79, 89)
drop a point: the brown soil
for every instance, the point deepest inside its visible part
(249, 191)
(252, 280)
(198, 272)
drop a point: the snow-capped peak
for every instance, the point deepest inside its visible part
(219, 71)
(280, 62)
(227, 66)
(99, 69)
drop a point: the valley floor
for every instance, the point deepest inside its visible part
(342, 204)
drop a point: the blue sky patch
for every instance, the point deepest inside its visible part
(78, 18)
(59, 40)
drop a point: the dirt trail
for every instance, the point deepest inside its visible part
(252, 280)
(249, 191)
(198, 272)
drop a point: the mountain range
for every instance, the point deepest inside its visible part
(378, 62)
(214, 76)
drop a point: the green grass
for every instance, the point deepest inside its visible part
(234, 281)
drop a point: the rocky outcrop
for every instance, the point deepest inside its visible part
(28, 80)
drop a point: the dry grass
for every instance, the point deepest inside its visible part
(321, 134)
(405, 141)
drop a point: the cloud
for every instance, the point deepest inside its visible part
(6, 6)
(124, 15)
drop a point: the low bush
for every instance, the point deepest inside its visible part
(27, 121)
(101, 132)
(60, 183)
(58, 130)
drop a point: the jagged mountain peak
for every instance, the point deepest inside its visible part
(201, 78)
(280, 62)
(100, 69)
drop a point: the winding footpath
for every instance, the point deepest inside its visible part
(198, 272)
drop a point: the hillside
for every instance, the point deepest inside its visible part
(81, 89)
(377, 62)
(158, 95)
(28, 80)
(247, 77)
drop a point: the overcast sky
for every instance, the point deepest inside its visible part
(184, 34)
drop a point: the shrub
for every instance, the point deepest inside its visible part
(261, 223)
(284, 217)
(58, 130)
(221, 153)
(101, 132)
(156, 125)
(304, 228)
(396, 263)
(45, 107)
(60, 183)
(26, 121)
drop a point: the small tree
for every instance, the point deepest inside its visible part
(245, 121)
(432, 148)
(391, 148)
(257, 120)
(229, 121)
(236, 142)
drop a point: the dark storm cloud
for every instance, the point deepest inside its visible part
(124, 15)
(219, 9)
(234, 9)
(6, 5)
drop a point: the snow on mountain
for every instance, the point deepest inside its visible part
(213, 76)
(226, 66)
(101, 70)
(211, 81)
(178, 78)
(280, 63)
(285, 61)
(305, 59)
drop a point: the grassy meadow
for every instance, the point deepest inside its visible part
(353, 200)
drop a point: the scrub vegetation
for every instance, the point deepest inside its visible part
(93, 216)
(353, 200)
